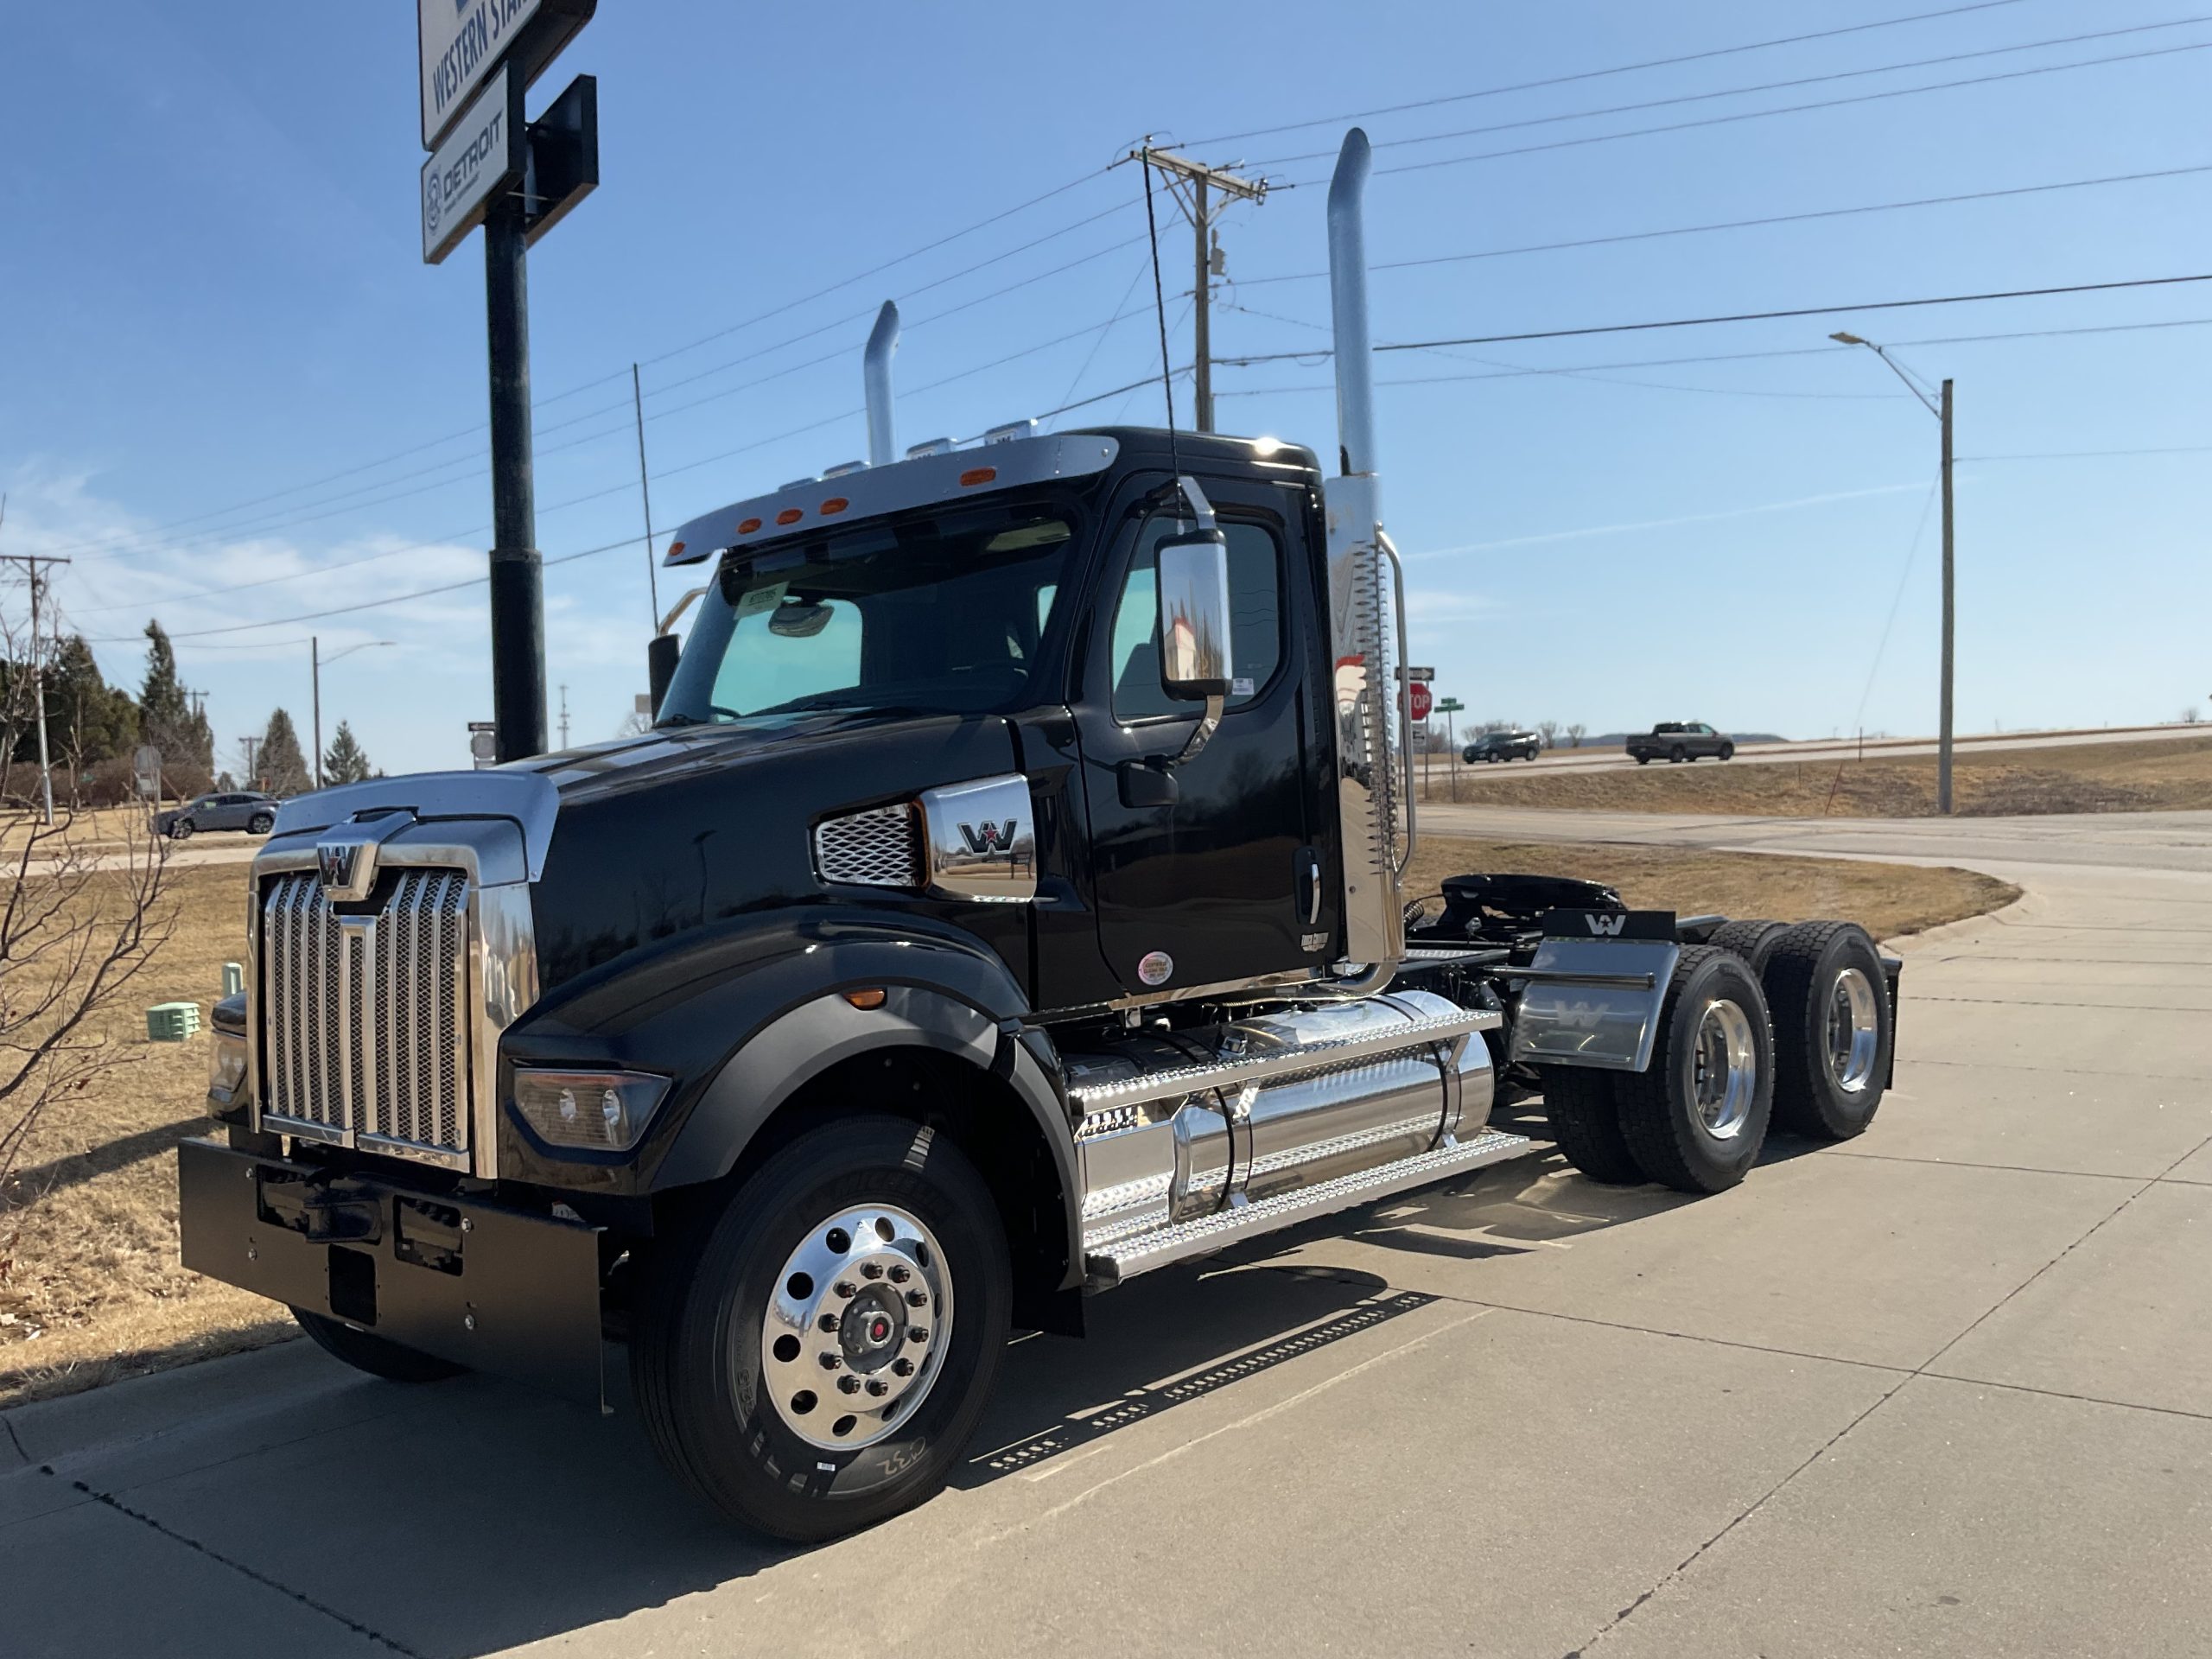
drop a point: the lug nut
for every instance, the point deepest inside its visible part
(829, 1362)
(871, 1269)
(847, 1289)
(899, 1276)
(827, 1322)
(903, 1367)
(876, 1385)
(848, 1385)
(918, 1297)
(917, 1333)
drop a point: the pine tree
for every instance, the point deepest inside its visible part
(165, 719)
(284, 767)
(89, 720)
(346, 762)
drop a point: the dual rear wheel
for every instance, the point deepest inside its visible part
(1767, 1024)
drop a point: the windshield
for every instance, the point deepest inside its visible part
(942, 612)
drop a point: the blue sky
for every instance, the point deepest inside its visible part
(210, 293)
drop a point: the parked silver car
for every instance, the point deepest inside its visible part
(244, 810)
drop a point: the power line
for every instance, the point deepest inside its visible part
(1951, 200)
(1676, 99)
(1740, 316)
(2089, 454)
(1787, 109)
(1598, 74)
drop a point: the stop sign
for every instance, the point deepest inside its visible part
(1418, 697)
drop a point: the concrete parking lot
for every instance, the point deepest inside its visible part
(1946, 1389)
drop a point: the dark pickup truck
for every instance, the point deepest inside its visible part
(1681, 739)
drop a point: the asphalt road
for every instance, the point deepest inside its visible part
(1888, 748)
(1946, 1389)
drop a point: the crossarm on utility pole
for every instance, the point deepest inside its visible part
(1203, 180)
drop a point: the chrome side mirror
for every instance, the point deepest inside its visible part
(1192, 580)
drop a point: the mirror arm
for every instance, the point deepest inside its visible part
(1204, 734)
(1195, 500)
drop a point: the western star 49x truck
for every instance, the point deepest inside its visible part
(1006, 902)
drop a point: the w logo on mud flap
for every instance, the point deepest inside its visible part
(986, 838)
(1605, 926)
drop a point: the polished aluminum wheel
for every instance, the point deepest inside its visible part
(1725, 1070)
(1854, 1033)
(854, 1329)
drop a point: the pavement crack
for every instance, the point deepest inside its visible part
(12, 1440)
(244, 1571)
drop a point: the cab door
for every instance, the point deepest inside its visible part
(1205, 870)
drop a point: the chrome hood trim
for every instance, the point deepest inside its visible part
(526, 799)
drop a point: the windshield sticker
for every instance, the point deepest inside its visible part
(761, 599)
(1240, 688)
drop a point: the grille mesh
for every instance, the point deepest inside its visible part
(363, 1016)
(880, 847)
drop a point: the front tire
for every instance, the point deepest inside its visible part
(806, 1430)
(1642, 759)
(180, 830)
(1727, 751)
(261, 824)
(1697, 1116)
(1834, 1029)
(1678, 756)
(366, 1351)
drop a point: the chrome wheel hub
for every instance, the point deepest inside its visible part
(1854, 1031)
(851, 1341)
(1724, 1075)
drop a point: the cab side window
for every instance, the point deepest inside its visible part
(1255, 620)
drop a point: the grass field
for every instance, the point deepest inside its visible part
(92, 1291)
(2139, 777)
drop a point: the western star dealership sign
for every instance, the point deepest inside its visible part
(463, 41)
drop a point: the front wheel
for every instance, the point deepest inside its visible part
(366, 1351)
(1678, 756)
(1727, 751)
(180, 830)
(815, 1359)
(261, 824)
(1642, 759)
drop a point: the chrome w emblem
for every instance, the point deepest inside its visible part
(335, 863)
(986, 838)
(1606, 927)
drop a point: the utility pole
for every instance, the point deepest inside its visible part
(252, 777)
(314, 672)
(1200, 179)
(31, 562)
(517, 575)
(1941, 408)
(1943, 726)
(564, 716)
(645, 494)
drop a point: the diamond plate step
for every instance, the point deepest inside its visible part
(1127, 1258)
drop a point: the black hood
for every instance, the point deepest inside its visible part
(683, 827)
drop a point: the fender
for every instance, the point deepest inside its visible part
(744, 1013)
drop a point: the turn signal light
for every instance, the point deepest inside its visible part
(975, 475)
(674, 548)
(871, 998)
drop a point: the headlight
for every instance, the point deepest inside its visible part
(226, 1065)
(595, 1111)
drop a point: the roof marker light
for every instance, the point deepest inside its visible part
(674, 548)
(844, 469)
(790, 516)
(1010, 431)
(975, 475)
(745, 529)
(932, 447)
(834, 504)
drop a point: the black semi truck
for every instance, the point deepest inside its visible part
(1006, 902)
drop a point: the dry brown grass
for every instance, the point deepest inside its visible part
(95, 1292)
(1886, 899)
(2139, 777)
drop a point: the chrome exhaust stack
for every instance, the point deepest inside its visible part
(1366, 617)
(882, 341)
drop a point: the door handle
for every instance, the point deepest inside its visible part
(1308, 865)
(1147, 783)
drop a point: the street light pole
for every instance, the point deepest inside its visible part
(1941, 408)
(314, 661)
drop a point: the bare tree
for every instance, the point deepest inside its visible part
(2191, 715)
(78, 924)
(1548, 730)
(1575, 734)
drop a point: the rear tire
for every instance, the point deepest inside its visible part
(366, 1351)
(732, 1414)
(1678, 756)
(1586, 1121)
(1833, 1028)
(180, 830)
(1696, 1117)
(1753, 941)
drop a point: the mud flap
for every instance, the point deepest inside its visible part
(1592, 992)
(493, 1288)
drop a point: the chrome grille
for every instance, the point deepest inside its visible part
(880, 847)
(364, 1013)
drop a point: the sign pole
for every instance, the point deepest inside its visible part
(517, 580)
